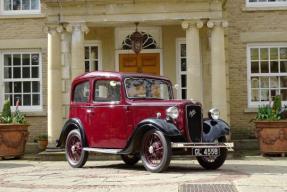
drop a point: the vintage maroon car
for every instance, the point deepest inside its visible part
(137, 117)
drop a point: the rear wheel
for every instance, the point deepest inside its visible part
(75, 154)
(155, 151)
(214, 162)
(131, 159)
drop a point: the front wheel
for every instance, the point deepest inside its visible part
(155, 151)
(212, 163)
(75, 154)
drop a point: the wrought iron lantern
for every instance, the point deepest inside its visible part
(137, 40)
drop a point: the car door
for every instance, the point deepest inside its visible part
(108, 119)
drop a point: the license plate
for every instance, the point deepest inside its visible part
(206, 151)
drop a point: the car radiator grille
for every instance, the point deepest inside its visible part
(194, 122)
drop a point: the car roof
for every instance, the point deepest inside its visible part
(120, 75)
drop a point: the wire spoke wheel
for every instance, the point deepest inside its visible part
(75, 154)
(156, 151)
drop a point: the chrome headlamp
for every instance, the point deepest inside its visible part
(213, 113)
(172, 112)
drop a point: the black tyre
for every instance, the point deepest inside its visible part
(75, 154)
(155, 151)
(212, 163)
(131, 159)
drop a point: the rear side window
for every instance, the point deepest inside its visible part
(107, 91)
(81, 92)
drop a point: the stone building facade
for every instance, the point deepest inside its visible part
(221, 52)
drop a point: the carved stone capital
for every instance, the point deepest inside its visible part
(193, 23)
(77, 27)
(53, 29)
(217, 23)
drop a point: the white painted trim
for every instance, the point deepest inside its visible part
(19, 12)
(118, 52)
(265, 4)
(179, 41)
(97, 43)
(248, 56)
(38, 108)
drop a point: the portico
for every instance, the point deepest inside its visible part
(200, 23)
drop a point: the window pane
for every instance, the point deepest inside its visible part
(7, 5)
(183, 93)
(35, 59)
(9, 87)
(87, 66)
(264, 54)
(27, 87)
(26, 100)
(283, 66)
(17, 87)
(16, 72)
(9, 97)
(255, 82)
(283, 53)
(35, 72)
(94, 52)
(255, 95)
(16, 98)
(274, 53)
(274, 92)
(274, 67)
(254, 54)
(7, 60)
(106, 91)
(183, 64)
(26, 59)
(254, 67)
(16, 59)
(7, 72)
(183, 81)
(87, 53)
(16, 5)
(284, 94)
(264, 82)
(182, 50)
(36, 99)
(81, 92)
(35, 4)
(264, 95)
(264, 67)
(25, 4)
(95, 65)
(26, 72)
(35, 87)
(274, 83)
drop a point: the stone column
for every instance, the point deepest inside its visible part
(218, 67)
(54, 86)
(193, 60)
(77, 48)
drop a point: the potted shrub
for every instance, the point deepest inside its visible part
(13, 132)
(271, 128)
(42, 141)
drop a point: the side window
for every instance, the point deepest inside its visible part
(107, 91)
(81, 92)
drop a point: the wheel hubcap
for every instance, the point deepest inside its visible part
(153, 150)
(74, 148)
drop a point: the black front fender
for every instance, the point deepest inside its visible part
(167, 128)
(214, 129)
(71, 124)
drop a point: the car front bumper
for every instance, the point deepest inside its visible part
(229, 146)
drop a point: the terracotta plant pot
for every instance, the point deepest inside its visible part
(13, 139)
(42, 144)
(272, 136)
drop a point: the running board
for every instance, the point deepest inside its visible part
(101, 150)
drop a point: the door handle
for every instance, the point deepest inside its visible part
(90, 111)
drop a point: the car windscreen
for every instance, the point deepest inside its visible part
(143, 88)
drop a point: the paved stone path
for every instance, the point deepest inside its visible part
(101, 176)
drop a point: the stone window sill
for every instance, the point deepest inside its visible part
(23, 16)
(250, 110)
(35, 114)
(274, 8)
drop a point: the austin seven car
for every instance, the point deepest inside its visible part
(137, 117)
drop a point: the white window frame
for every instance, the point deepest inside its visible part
(266, 4)
(19, 12)
(179, 42)
(38, 108)
(249, 75)
(96, 44)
